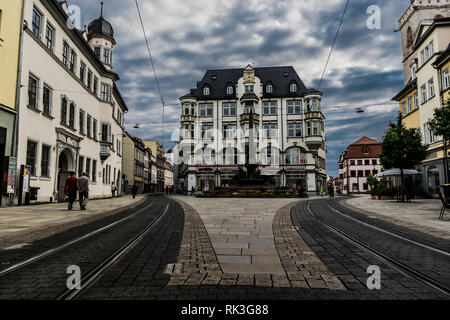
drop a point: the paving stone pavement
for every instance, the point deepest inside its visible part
(243, 247)
(419, 214)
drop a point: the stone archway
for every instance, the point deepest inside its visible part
(66, 163)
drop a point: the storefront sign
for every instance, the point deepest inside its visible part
(229, 169)
(206, 169)
(270, 171)
(11, 183)
(296, 169)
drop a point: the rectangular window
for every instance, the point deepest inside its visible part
(72, 116)
(360, 162)
(50, 37)
(207, 131)
(31, 156)
(73, 58)
(410, 106)
(416, 101)
(89, 79)
(367, 162)
(229, 131)
(47, 100)
(82, 122)
(294, 107)
(431, 88)
(315, 105)
(270, 108)
(445, 79)
(423, 89)
(366, 173)
(36, 23)
(88, 126)
(82, 71)
(229, 109)
(105, 132)
(97, 51)
(206, 109)
(353, 174)
(65, 53)
(33, 84)
(64, 111)
(294, 129)
(80, 165)
(106, 56)
(45, 161)
(315, 128)
(270, 130)
(404, 108)
(94, 171)
(88, 166)
(94, 129)
(106, 92)
(249, 89)
(95, 87)
(374, 162)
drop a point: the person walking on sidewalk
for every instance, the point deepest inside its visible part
(70, 189)
(134, 190)
(83, 190)
(113, 189)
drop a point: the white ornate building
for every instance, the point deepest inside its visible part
(289, 137)
(71, 111)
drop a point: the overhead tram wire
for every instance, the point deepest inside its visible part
(153, 67)
(334, 42)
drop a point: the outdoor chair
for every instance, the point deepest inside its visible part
(445, 205)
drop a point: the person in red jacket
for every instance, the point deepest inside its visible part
(70, 189)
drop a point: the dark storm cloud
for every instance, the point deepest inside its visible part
(189, 37)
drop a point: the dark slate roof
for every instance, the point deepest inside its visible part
(249, 96)
(279, 77)
(410, 86)
(101, 27)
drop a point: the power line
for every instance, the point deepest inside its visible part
(334, 42)
(153, 67)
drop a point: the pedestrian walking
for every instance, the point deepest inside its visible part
(134, 190)
(70, 189)
(83, 190)
(113, 189)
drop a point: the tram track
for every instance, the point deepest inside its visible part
(401, 267)
(93, 252)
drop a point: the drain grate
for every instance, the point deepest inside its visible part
(174, 268)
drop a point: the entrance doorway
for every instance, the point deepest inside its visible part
(65, 165)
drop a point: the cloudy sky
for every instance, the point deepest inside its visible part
(189, 37)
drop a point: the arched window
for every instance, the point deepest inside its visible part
(409, 37)
(295, 156)
(270, 156)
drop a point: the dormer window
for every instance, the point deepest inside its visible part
(249, 89)
(206, 91)
(293, 87)
(269, 88)
(230, 90)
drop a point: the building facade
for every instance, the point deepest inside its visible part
(10, 35)
(356, 163)
(168, 176)
(158, 152)
(134, 167)
(71, 111)
(425, 29)
(288, 137)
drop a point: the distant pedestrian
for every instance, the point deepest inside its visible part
(70, 189)
(134, 190)
(83, 190)
(113, 189)
(193, 191)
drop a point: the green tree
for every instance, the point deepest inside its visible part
(440, 124)
(372, 182)
(402, 148)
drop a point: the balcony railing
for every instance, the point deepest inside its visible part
(105, 150)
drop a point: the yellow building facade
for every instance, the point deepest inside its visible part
(426, 90)
(10, 33)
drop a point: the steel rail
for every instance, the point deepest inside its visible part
(59, 248)
(399, 266)
(93, 275)
(390, 233)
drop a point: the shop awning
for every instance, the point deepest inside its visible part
(396, 172)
